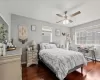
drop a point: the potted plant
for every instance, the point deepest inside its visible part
(3, 33)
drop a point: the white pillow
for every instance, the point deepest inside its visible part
(50, 46)
(47, 46)
(53, 46)
(42, 45)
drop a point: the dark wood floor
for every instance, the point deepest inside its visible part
(41, 72)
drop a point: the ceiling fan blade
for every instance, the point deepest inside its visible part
(59, 15)
(70, 21)
(60, 21)
(78, 12)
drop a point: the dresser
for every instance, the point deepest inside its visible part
(32, 57)
(10, 65)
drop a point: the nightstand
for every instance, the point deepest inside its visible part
(32, 57)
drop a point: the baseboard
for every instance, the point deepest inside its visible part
(97, 59)
(94, 59)
(23, 62)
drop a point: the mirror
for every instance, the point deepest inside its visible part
(3, 30)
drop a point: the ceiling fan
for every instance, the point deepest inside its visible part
(66, 20)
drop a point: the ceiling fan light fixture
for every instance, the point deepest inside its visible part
(65, 21)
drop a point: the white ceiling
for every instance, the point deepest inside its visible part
(46, 10)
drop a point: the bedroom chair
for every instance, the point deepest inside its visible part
(86, 51)
(93, 55)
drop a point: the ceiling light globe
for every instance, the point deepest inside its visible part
(65, 21)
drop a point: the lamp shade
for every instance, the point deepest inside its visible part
(33, 43)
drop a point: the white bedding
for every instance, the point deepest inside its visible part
(62, 60)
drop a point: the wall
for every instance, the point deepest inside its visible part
(89, 9)
(89, 12)
(89, 25)
(5, 14)
(5, 25)
(3, 22)
(17, 20)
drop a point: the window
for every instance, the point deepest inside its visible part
(46, 34)
(88, 37)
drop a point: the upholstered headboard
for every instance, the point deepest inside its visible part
(38, 47)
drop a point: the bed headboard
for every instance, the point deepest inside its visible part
(38, 47)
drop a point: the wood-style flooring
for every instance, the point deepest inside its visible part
(41, 72)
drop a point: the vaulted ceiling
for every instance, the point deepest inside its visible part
(46, 10)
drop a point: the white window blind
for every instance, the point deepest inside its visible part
(46, 34)
(88, 36)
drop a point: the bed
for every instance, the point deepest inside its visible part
(60, 61)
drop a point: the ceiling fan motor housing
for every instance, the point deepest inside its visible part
(65, 12)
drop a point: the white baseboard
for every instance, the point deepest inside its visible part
(98, 59)
(23, 62)
(91, 58)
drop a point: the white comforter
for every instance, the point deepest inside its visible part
(62, 60)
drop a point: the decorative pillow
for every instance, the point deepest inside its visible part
(47, 46)
(42, 45)
(50, 46)
(53, 46)
(56, 44)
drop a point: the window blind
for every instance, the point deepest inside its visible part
(88, 36)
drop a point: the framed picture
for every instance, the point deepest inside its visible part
(57, 32)
(33, 28)
(22, 33)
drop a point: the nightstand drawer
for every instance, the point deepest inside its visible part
(35, 58)
(35, 61)
(34, 55)
(30, 57)
(30, 60)
(29, 54)
(35, 51)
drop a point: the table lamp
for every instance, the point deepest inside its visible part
(34, 45)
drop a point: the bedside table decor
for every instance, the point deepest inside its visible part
(10, 46)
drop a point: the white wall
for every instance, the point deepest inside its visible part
(5, 14)
(89, 12)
